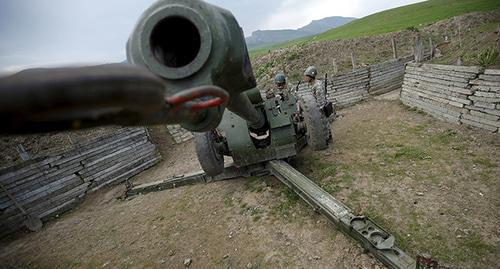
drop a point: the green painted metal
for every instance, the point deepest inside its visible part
(284, 138)
(371, 236)
(199, 177)
(254, 96)
(186, 44)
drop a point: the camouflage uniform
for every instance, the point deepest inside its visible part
(318, 90)
(270, 93)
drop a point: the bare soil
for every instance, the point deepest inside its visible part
(434, 185)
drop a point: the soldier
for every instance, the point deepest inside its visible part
(315, 85)
(280, 90)
(318, 90)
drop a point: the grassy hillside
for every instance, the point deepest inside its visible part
(392, 20)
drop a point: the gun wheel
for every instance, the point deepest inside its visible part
(211, 161)
(317, 134)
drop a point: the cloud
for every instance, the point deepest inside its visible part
(47, 32)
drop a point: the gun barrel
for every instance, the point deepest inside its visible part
(191, 44)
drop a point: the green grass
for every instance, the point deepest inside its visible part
(486, 163)
(261, 51)
(417, 237)
(255, 184)
(284, 208)
(444, 137)
(411, 16)
(404, 152)
(392, 20)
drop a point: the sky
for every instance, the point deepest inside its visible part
(36, 33)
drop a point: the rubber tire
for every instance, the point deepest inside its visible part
(211, 161)
(317, 134)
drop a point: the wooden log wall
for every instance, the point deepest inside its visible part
(460, 94)
(388, 76)
(349, 88)
(51, 185)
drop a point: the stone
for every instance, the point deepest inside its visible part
(187, 262)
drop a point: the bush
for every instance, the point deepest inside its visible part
(487, 57)
(412, 28)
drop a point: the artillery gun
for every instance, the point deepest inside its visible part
(290, 124)
(193, 44)
(200, 65)
(186, 43)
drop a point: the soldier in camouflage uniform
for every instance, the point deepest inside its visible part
(318, 90)
(316, 86)
(280, 90)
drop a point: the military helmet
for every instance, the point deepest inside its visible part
(280, 78)
(311, 71)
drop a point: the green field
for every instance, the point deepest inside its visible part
(415, 15)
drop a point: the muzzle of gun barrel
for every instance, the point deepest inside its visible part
(191, 44)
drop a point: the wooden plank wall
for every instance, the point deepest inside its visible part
(459, 94)
(388, 76)
(350, 88)
(53, 184)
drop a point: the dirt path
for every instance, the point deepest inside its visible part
(435, 185)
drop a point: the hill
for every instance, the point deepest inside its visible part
(480, 31)
(407, 17)
(262, 38)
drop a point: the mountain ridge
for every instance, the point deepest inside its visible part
(261, 38)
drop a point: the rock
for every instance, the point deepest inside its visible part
(249, 265)
(171, 253)
(226, 256)
(437, 53)
(420, 194)
(187, 262)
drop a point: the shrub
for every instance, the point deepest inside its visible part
(412, 28)
(487, 57)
